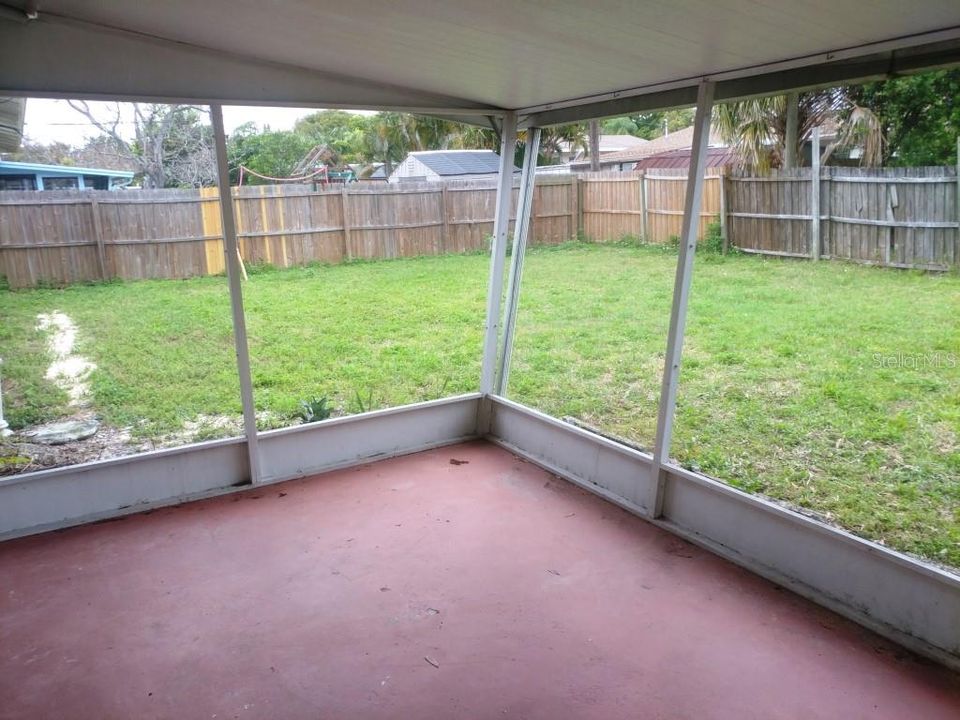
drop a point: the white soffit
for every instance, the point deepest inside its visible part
(533, 56)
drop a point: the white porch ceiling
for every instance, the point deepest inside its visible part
(532, 55)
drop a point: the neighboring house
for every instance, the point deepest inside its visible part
(33, 176)
(372, 173)
(11, 123)
(608, 144)
(627, 159)
(553, 169)
(433, 165)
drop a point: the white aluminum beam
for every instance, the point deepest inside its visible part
(498, 253)
(234, 272)
(681, 291)
(50, 499)
(297, 451)
(815, 244)
(521, 231)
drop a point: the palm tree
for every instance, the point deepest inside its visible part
(392, 135)
(757, 128)
(553, 140)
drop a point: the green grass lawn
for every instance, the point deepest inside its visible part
(829, 386)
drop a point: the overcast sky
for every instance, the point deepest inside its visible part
(49, 121)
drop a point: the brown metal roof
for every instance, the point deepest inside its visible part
(674, 141)
(680, 159)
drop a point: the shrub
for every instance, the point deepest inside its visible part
(712, 241)
(314, 409)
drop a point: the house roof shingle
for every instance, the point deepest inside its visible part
(447, 163)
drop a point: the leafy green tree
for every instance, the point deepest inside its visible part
(273, 153)
(651, 125)
(619, 126)
(392, 135)
(343, 132)
(919, 115)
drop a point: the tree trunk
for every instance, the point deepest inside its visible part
(790, 140)
(595, 146)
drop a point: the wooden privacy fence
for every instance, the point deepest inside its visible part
(898, 217)
(62, 237)
(646, 205)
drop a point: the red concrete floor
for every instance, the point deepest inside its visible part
(423, 588)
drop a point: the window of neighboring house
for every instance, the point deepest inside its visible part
(17, 182)
(61, 183)
(96, 182)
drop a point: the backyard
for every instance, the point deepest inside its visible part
(831, 387)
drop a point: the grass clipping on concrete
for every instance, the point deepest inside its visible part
(832, 387)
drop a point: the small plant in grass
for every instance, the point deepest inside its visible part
(630, 240)
(365, 404)
(314, 409)
(712, 241)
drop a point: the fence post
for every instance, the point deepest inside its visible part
(579, 182)
(574, 206)
(815, 196)
(890, 194)
(722, 179)
(643, 207)
(344, 205)
(98, 236)
(444, 229)
(956, 252)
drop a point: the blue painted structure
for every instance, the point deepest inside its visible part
(34, 176)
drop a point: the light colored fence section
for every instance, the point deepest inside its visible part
(665, 193)
(611, 204)
(647, 205)
(75, 236)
